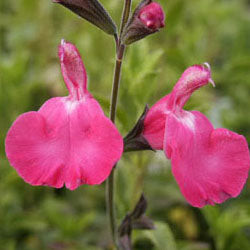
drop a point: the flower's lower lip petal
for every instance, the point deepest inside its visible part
(96, 146)
(55, 147)
(37, 160)
(209, 165)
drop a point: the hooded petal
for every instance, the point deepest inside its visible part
(192, 78)
(73, 69)
(210, 165)
(65, 142)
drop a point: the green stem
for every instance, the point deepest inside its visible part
(110, 206)
(110, 181)
(116, 82)
(113, 103)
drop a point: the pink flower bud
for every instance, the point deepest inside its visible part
(152, 16)
(147, 19)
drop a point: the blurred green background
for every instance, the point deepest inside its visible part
(216, 31)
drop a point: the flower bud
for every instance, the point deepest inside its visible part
(152, 16)
(147, 19)
(92, 11)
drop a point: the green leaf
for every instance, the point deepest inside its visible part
(162, 236)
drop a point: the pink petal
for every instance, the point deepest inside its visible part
(209, 165)
(73, 70)
(192, 78)
(154, 124)
(152, 16)
(65, 142)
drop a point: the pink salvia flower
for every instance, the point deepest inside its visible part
(210, 165)
(152, 16)
(69, 140)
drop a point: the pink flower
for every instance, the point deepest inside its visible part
(210, 165)
(152, 16)
(68, 140)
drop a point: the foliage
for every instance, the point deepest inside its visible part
(216, 31)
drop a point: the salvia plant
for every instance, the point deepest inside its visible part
(71, 142)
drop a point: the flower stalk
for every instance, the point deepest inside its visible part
(110, 188)
(110, 182)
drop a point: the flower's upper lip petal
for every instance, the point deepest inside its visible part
(192, 79)
(73, 70)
